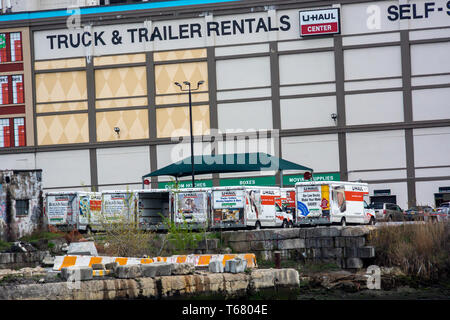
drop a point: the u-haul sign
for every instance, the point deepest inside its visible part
(319, 22)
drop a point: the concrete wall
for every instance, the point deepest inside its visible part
(15, 186)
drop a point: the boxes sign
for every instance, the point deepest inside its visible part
(319, 22)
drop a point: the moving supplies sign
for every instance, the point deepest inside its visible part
(319, 22)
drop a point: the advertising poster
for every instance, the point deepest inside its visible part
(339, 204)
(192, 206)
(114, 206)
(228, 206)
(255, 201)
(59, 208)
(325, 202)
(288, 201)
(309, 201)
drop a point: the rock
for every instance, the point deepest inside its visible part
(182, 268)
(235, 265)
(98, 266)
(111, 266)
(129, 271)
(76, 273)
(291, 244)
(353, 263)
(82, 248)
(215, 267)
(257, 245)
(41, 280)
(286, 277)
(209, 244)
(52, 276)
(262, 278)
(48, 261)
(22, 247)
(64, 247)
(321, 232)
(156, 269)
(340, 242)
(227, 250)
(366, 252)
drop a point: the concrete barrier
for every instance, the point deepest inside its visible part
(197, 260)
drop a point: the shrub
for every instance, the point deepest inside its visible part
(420, 250)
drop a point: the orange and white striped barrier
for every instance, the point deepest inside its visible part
(199, 260)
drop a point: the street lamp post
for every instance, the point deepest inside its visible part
(189, 89)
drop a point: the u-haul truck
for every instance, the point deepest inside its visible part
(192, 206)
(69, 210)
(322, 202)
(247, 207)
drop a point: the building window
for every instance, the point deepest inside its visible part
(12, 132)
(22, 207)
(11, 50)
(12, 91)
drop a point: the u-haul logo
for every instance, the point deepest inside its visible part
(319, 22)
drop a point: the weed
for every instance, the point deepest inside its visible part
(420, 250)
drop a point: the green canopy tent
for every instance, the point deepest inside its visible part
(226, 163)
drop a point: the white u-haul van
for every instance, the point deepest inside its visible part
(69, 210)
(247, 207)
(324, 202)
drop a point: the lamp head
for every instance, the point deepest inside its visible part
(187, 83)
(200, 83)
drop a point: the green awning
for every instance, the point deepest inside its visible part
(225, 163)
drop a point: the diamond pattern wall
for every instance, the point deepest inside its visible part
(179, 55)
(58, 107)
(133, 124)
(61, 86)
(121, 103)
(181, 98)
(60, 64)
(167, 74)
(120, 82)
(62, 129)
(174, 122)
(119, 59)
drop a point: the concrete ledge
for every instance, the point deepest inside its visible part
(225, 284)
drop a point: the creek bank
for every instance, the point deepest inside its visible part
(226, 285)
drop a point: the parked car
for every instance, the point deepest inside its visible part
(418, 213)
(442, 212)
(387, 211)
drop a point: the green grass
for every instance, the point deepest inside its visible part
(311, 267)
(43, 235)
(4, 245)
